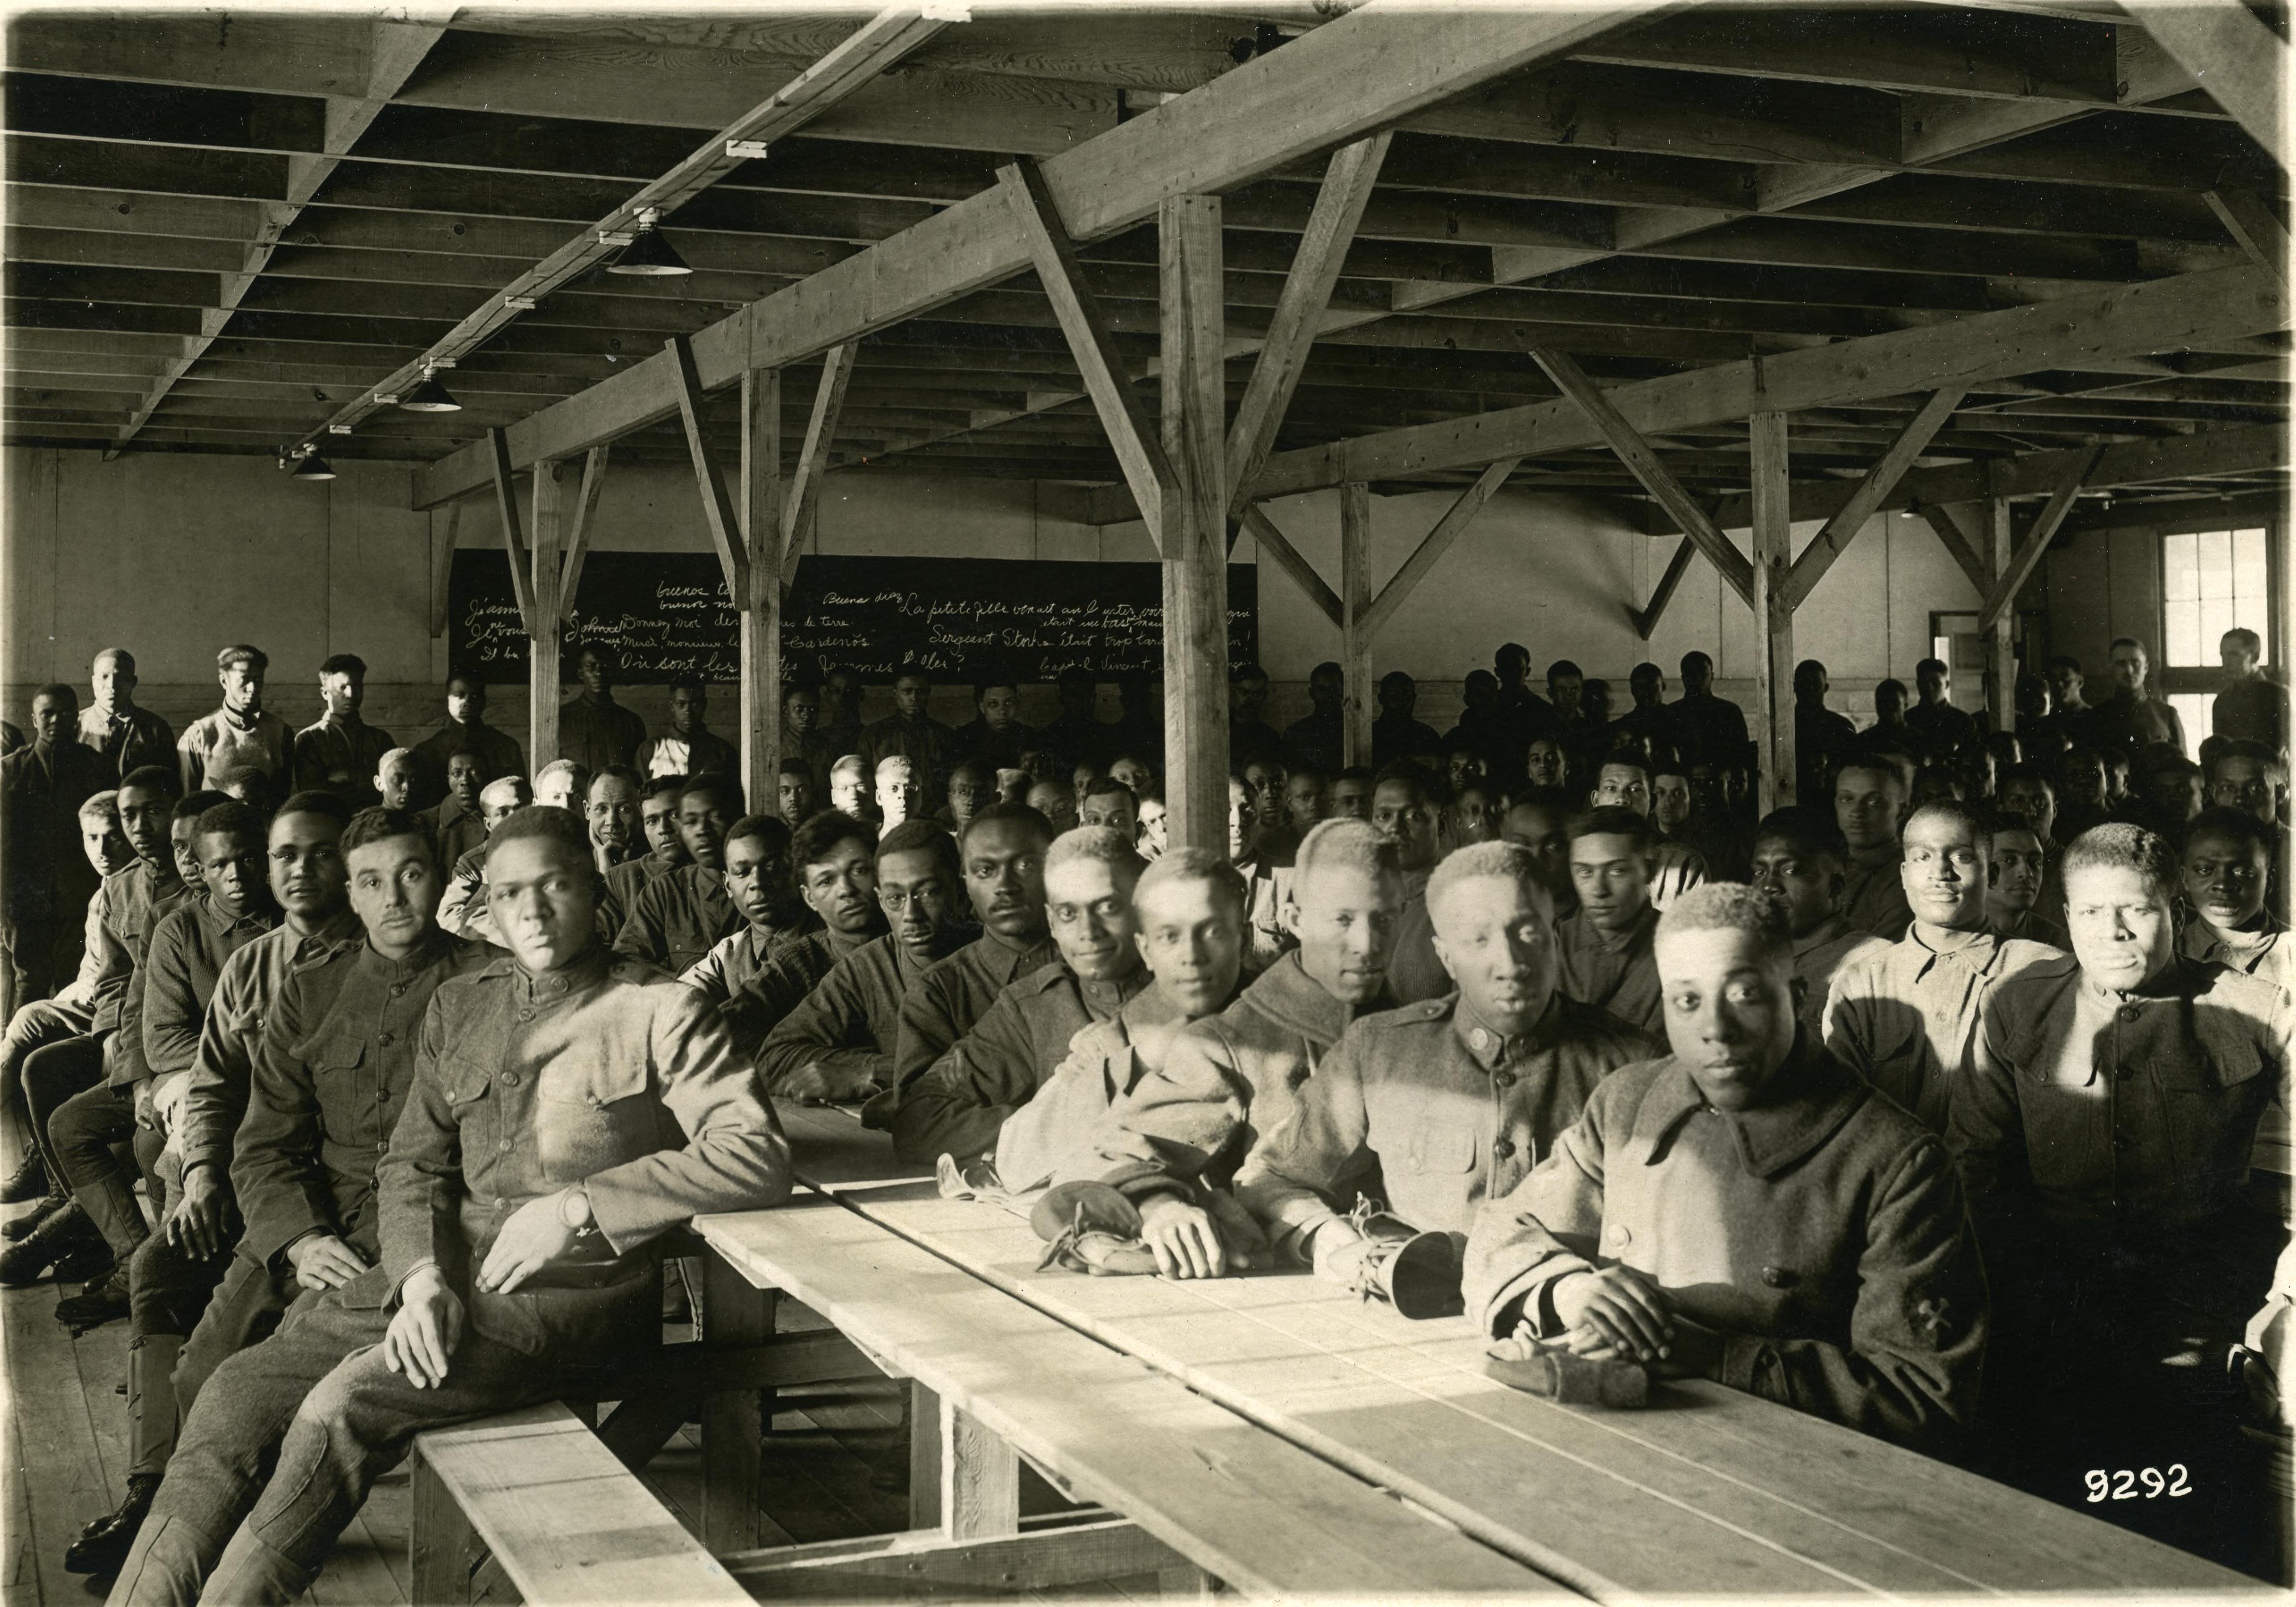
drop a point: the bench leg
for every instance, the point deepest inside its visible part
(736, 1314)
(1186, 1582)
(438, 1540)
(964, 1480)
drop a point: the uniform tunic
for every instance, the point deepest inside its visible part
(498, 751)
(930, 747)
(126, 740)
(1822, 1233)
(626, 880)
(1227, 1081)
(957, 1106)
(188, 951)
(1816, 958)
(137, 900)
(1874, 899)
(237, 1014)
(850, 1020)
(1414, 971)
(1614, 972)
(1447, 1112)
(1904, 1016)
(700, 753)
(679, 919)
(226, 740)
(595, 731)
(340, 756)
(782, 977)
(1105, 1061)
(2264, 953)
(956, 992)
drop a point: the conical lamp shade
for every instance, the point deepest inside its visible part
(430, 397)
(314, 467)
(649, 253)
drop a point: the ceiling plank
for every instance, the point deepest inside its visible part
(1347, 78)
(395, 50)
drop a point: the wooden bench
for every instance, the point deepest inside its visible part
(1206, 1491)
(536, 1499)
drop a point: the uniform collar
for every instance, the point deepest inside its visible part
(2179, 981)
(340, 932)
(342, 722)
(1492, 1048)
(1296, 1000)
(2237, 949)
(223, 926)
(1643, 925)
(1811, 1098)
(578, 975)
(1104, 999)
(1826, 931)
(158, 881)
(241, 723)
(435, 947)
(1977, 950)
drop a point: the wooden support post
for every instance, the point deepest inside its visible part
(444, 523)
(1354, 624)
(2001, 635)
(763, 528)
(578, 535)
(522, 577)
(1880, 480)
(1774, 608)
(2009, 578)
(1195, 522)
(738, 1313)
(548, 632)
(980, 1479)
(439, 1537)
(1955, 537)
(922, 1419)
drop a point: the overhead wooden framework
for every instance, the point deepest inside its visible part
(1725, 268)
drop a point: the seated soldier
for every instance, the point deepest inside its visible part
(1229, 1078)
(665, 852)
(535, 1164)
(2105, 1133)
(1445, 1103)
(1539, 820)
(1153, 837)
(689, 746)
(70, 1012)
(1188, 908)
(1800, 860)
(970, 785)
(680, 916)
(1746, 1209)
(2026, 790)
(1109, 803)
(994, 734)
(1351, 791)
(462, 911)
(611, 807)
(1404, 811)
(852, 788)
(561, 784)
(2019, 866)
(2227, 862)
(1478, 814)
(1544, 762)
(836, 880)
(1903, 1015)
(1265, 920)
(1001, 855)
(836, 1044)
(1869, 804)
(1605, 948)
(1054, 799)
(1268, 778)
(759, 881)
(1625, 781)
(396, 775)
(454, 824)
(795, 800)
(900, 790)
(957, 1106)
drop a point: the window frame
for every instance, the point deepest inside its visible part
(2210, 677)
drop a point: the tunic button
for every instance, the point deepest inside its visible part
(1622, 1235)
(398, 990)
(526, 1015)
(504, 1146)
(510, 1079)
(382, 1040)
(1503, 1079)
(1503, 1148)
(2129, 1012)
(1780, 1277)
(1479, 1038)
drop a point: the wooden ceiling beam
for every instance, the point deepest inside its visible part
(2242, 64)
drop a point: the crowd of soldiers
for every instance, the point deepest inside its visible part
(1954, 1068)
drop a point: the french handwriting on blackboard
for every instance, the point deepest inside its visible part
(667, 614)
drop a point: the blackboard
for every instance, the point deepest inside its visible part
(964, 618)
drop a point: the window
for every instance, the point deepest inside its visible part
(2211, 581)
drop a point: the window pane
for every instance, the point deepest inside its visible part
(2216, 564)
(2179, 566)
(2248, 581)
(2183, 622)
(2218, 615)
(2195, 709)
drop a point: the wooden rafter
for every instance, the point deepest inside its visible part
(1623, 438)
(1960, 543)
(1835, 539)
(803, 503)
(2243, 64)
(1276, 545)
(1437, 542)
(2261, 234)
(578, 535)
(725, 531)
(856, 60)
(396, 51)
(1646, 618)
(2011, 580)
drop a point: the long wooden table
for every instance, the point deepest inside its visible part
(1713, 1490)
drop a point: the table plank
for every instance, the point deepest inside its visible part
(1255, 1510)
(1714, 1491)
(828, 1146)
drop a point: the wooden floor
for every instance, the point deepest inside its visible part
(66, 1454)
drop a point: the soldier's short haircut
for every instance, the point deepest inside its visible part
(850, 764)
(475, 758)
(559, 767)
(2248, 748)
(1974, 818)
(1499, 861)
(520, 790)
(545, 823)
(1557, 800)
(723, 788)
(1030, 820)
(1810, 832)
(1868, 760)
(240, 653)
(2032, 774)
(2230, 823)
(977, 770)
(58, 691)
(921, 837)
(1094, 845)
(230, 817)
(1107, 786)
(379, 825)
(1404, 771)
(665, 786)
(614, 773)
(1731, 906)
(404, 755)
(194, 805)
(1930, 667)
(771, 829)
(2119, 846)
(330, 806)
(687, 681)
(1564, 666)
(1362, 773)
(1345, 843)
(1614, 820)
(1195, 865)
(161, 779)
(1631, 759)
(343, 664)
(885, 766)
(816, 840)
(2248, 640)
(102, 805)
(788, 766)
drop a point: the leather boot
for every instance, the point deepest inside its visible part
(153, 1418)
(104, 1545)
(1394, 1263)
(17, 1227)
(60, 1234)
(29, 1181)
(97, 1304)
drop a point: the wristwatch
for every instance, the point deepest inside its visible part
(574, 1211)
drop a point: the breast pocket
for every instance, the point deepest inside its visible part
(1441, 1149)
(592, 1114)
(2210, 1103)
(343, 1075)
(469, 1091)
